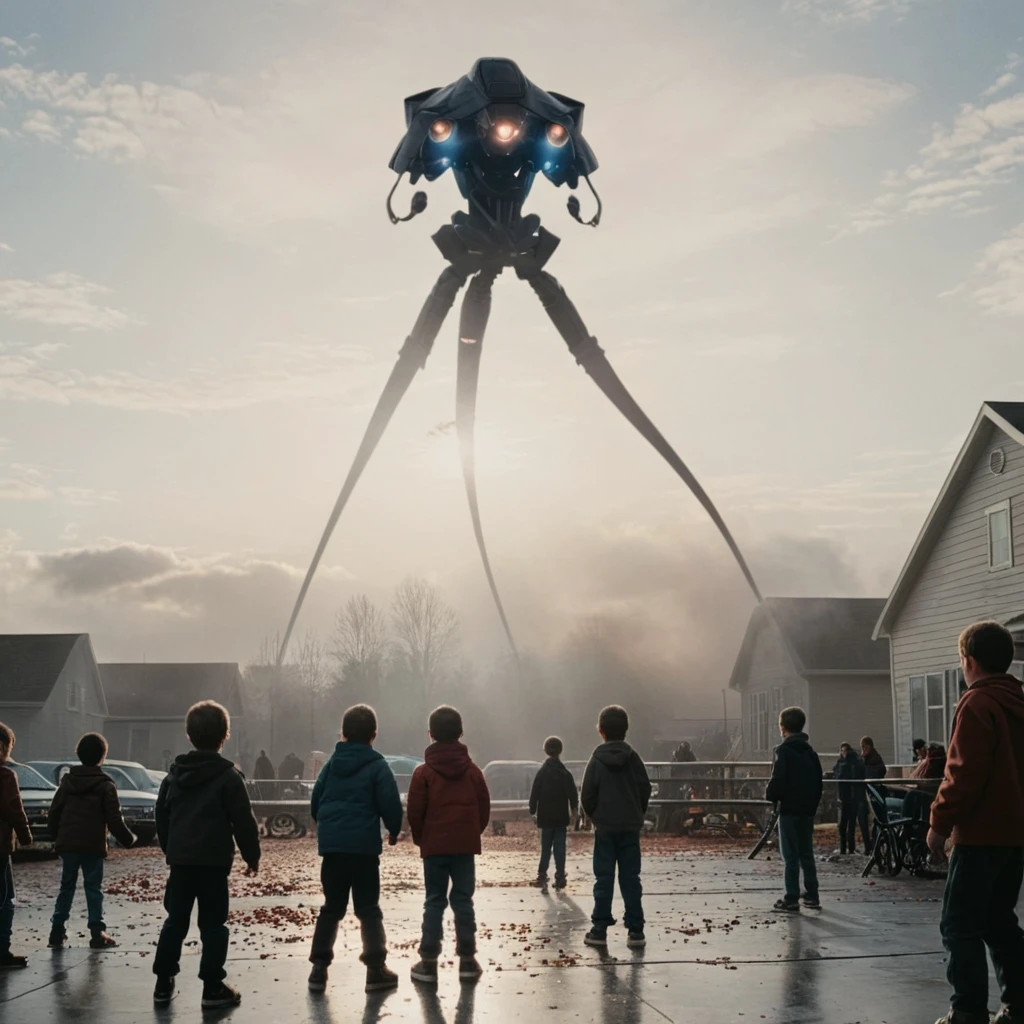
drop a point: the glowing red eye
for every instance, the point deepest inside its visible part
(441, 131)
(557, 135)
(505, 131)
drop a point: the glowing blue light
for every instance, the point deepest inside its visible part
(547, 165)
(445, 161)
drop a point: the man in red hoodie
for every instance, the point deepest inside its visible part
(448, 808)
(980, 804)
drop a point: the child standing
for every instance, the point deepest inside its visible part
(448, 807)
(554, 800)
(615, 795)
(852, 800)
(13, 822)
(84, 807)
(796, 787)
(355, 791)
(202, 809)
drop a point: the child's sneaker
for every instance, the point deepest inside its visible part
(58, 936)
(220, 994)
(636, 940)
(470, 969)
(596, 937)
(379, 979)
(811, 904)
(163, 993)
(539, 883)
(559, 884)
(9, 961)
(101, 940)
(318, 978)
(788, 906)
(425, 971)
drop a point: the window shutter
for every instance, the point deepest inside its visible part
(918, 708)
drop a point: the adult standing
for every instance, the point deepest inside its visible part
(874, 766)
(264, 767)
(980, 806)
(849, 770)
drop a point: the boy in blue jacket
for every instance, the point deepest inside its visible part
(356, 790)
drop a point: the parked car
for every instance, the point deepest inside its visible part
(137, 806)
(36, 795)
(402, 766)
(511, 780)
(144, 780)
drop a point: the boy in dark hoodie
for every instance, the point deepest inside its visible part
(796, 786)
(84, 807)
(852, 802)
(554, 800)
(615, 794)
(13, 822)
(201, 811)
(356, 790)
(448, 807)
(980, 805)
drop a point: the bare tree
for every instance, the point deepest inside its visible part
(360, 647)
(312, 671)
(264, 682)
(426, 630)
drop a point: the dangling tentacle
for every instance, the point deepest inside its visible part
(412, 357)
(591, 357)
(476, 308)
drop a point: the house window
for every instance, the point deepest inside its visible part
(761, 707)
(1000, 536)
(72, 688)
(933, 701)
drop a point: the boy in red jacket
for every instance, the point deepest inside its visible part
(12, 822)
(981, 805)
(448, 808)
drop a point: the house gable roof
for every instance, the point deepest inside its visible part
(147, 691)
(1006, 416)
(822, 635)
(31, 664)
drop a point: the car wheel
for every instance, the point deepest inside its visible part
(284, 826)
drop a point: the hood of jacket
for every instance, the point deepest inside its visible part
(197, 768)
(1004, 690)
(614, 755)
(81, 778)
(351, 758)
(451, 760)
(796, 741)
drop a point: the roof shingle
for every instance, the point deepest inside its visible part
(31, 664)
(832, 634)
(167, 690)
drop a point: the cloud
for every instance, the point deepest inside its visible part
(5, 247)
(273, 372)
(1001, 270)
(60, 300)
(41, 124)
(846, 11)
(94, 571)
(980, 151)
(21, 490)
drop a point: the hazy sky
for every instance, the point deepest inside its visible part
(810, 272)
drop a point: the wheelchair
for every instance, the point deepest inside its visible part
(898, 842)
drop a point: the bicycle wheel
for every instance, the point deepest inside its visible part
(884, 856)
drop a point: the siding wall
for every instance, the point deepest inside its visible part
(771, 668)
(844, 708)
(52, 732)
(956, 587)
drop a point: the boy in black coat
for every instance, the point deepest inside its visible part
(554, 800)
(202, 809)
(615, 795)
(796, 787)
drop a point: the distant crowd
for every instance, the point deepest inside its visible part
(203, 813)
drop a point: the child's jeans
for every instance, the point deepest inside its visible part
(340, 874)
(91, 867)
(459, 872)
(552, 839)
(6, 903)
(186, 885)
(796, 842)
(622, 850)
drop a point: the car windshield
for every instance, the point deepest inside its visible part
(29, 778)
(140, 778)
(121, 780)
